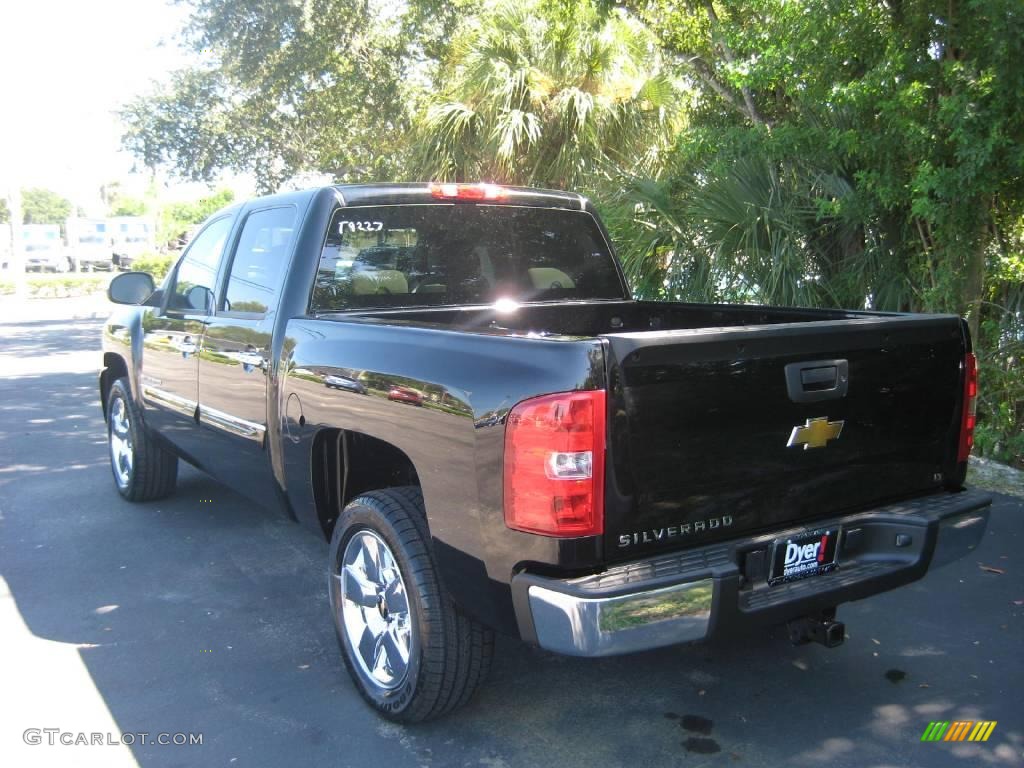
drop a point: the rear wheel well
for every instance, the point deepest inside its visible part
(346, 464)
(114, 368)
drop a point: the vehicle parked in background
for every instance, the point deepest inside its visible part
(6, 255)
(130, 238)
(43, 249)
(347, 383)
(89, 244)
(405, 395)
(586, 472)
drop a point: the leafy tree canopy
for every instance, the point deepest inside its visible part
(128, 206)
(543, 93)
(865, 153)
(43, 206)
(292, 87)
(177, 219)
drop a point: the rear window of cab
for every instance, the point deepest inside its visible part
(452, 254)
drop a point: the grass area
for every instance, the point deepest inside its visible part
(636, 613)
(58, 286)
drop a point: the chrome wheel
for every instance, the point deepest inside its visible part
(373, 611)
(122, 453)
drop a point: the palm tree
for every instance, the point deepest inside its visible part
(755, 230)
(544, 94)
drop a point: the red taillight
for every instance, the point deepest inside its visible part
(969, 418)
(468, 192)
(554, 465)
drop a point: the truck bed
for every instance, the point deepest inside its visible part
(596, 318)
(703, 413)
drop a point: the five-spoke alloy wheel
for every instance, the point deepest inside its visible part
(122, 453)
(411, 652)
(143, 468)
(375, 611)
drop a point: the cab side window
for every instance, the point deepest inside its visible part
(260, 260)
(192, 290)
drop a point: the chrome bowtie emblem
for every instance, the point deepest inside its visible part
(815, 433)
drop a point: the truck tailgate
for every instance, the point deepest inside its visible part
(718, 432)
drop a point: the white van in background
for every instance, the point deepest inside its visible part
(131, 237)
(6, 257)
(89, 244)
(42, 248)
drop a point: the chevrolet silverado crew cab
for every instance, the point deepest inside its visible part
(452, 384)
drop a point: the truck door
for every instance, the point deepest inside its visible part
(235, 363)
(172, 335)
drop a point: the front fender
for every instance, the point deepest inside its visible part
(123, 336)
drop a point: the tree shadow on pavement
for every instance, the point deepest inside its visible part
(207, 613)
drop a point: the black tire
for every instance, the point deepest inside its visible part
(449, 653)
(150, 471)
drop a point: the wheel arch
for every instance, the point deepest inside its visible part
(346, 463)
(114, 368)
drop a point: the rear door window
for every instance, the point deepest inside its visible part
(422, 255)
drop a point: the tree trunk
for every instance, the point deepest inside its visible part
(974, 283)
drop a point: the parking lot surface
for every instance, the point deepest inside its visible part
(204, 614)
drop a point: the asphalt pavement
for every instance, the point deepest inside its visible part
(203, 614)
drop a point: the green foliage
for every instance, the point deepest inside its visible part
(248, 306)
(845, 153)
(852, 153)
(43, 206)
(1001, 406)
(544, 93)
(291, 87)
(128, 206)
(1000, 348)
(5, 212)
(158, 265)
(178, 219)
(65, 286)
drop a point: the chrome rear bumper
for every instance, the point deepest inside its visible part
(579, 626)
(722, 588)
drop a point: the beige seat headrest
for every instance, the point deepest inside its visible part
(379, 281)
(546, 278)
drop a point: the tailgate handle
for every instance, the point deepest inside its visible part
(817, 380)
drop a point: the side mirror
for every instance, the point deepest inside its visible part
(131, 288)
(200, 298)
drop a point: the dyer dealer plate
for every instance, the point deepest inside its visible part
(798, 557)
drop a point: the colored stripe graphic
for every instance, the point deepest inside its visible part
(985, 732)
(954, 731)
(959, 730)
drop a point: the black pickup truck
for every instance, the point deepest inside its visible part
(452, 384)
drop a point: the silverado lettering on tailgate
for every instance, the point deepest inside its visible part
(674, 531)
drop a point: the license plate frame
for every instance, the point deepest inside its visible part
(802, 562)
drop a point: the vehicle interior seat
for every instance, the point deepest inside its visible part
(548, 278)
(368, 282)
(486, 265)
